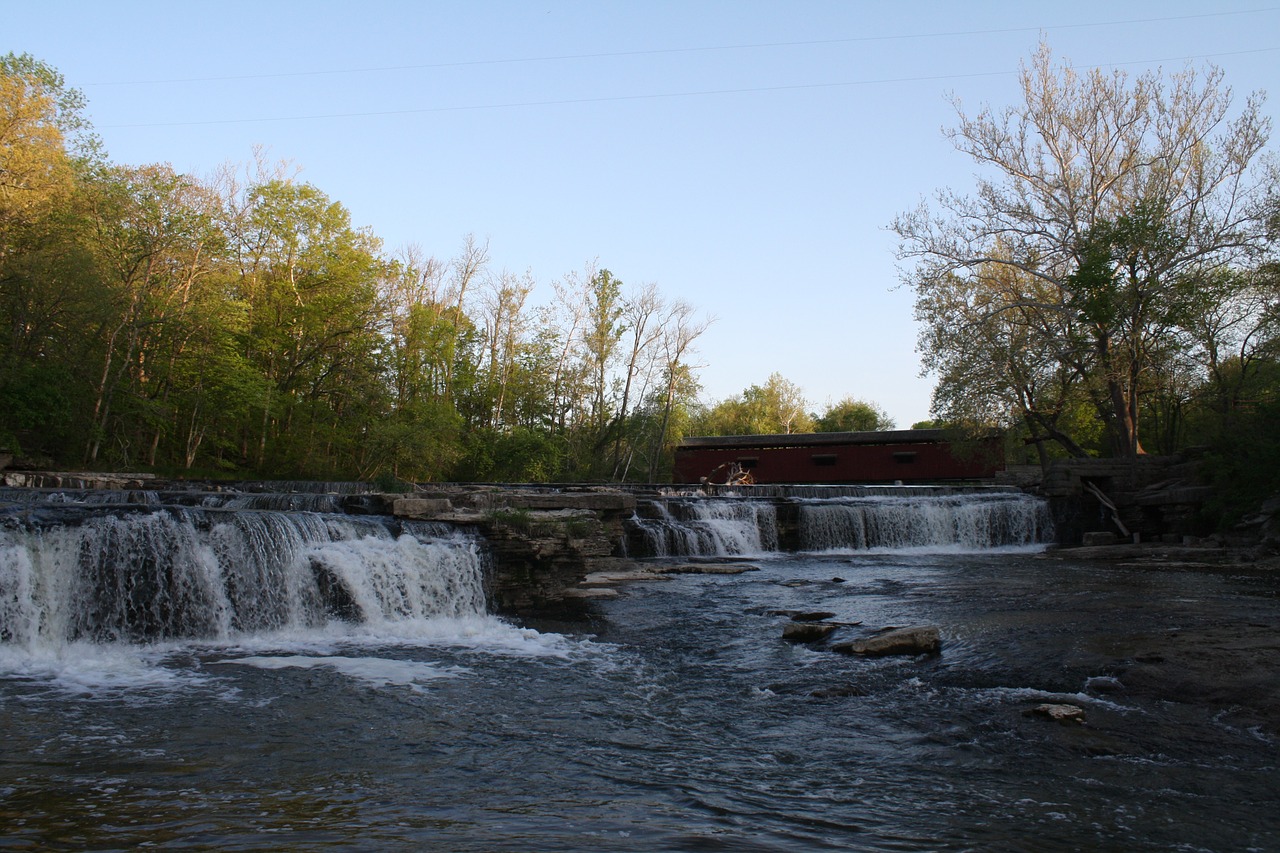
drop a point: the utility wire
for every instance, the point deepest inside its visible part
(676, 50)
(657, 96)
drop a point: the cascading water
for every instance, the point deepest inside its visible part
(128, 575)
(860, 518)
(706, 527)
(962, 521)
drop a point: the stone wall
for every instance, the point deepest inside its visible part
(1147, 499)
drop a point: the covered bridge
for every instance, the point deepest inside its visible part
(911, 455)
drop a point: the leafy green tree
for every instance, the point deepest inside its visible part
(310, 283)
(47, 281)
(777, 407)
(148, 241)
(853, 415)
(601, 335)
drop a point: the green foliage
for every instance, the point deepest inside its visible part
(777, 407)
(35, 408)
(520, 455)
(851, 415)
(519, 519)
(243, 325)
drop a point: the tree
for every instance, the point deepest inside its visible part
(310, 285)
(47, 280)
(777, 407)
(149, 236)
(640, 317)
(600, 338)
(679, 333)
(851, 415)
(1102, 206)
(42, 130)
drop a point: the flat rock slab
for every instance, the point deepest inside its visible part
(421, 508)
(591, 592)
(918, 640)
(611, 578)
(706, 569)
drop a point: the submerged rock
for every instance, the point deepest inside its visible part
(1060, 712)
(803, 615)
(1103, 684)
(706, 569)
(917, 640)
(806, 632)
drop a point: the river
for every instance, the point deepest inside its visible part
(676, 719)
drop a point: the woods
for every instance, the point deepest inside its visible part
(243, 324)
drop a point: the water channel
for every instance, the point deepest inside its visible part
(183, 677)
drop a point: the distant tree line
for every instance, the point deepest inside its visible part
(241, 325)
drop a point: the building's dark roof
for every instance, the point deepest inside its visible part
(816, 439)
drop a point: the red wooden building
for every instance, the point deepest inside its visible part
(913, 455)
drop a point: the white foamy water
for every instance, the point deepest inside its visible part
(374, 671)
(203, 574)
(370, 653)
(709, 527)
(121, 602)
(96, 669)
(928, 524)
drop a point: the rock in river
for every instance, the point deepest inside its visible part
(918, 640)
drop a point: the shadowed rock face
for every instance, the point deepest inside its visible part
(543, 542)
(917, 640)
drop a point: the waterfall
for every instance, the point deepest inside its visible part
(845, 518)
(968, 522)
(136, 574)
(705, 527)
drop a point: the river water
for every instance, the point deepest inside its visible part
(678, 719)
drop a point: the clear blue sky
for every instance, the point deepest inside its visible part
(745, 156)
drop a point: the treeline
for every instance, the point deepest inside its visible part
(242, 325)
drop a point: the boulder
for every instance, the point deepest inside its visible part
(917, 640)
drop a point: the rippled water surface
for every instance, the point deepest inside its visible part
(678, 721)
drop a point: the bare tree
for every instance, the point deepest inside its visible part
(680, 329)
(1115, 197)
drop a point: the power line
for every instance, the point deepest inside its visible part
(657, 96)
(676, 50)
